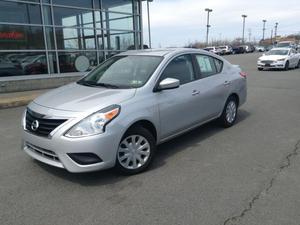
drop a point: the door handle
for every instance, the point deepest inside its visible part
(195, 92)
(227, 82)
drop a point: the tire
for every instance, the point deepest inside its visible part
(132, 164)
(287, 66)
(229, 114)
(298, 65)
(260, 69)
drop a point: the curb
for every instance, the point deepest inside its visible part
(16, 102)
(17, 99)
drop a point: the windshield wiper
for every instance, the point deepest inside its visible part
(87, 83)
(107, 85)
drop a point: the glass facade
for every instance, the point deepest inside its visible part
(63, 36)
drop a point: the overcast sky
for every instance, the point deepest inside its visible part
(177, 22)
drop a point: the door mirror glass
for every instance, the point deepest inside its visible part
(168, 83)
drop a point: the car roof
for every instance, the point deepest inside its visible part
(162, 51)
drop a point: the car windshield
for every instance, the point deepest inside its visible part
(277, 52)
(122, 72)
(29, 58)
(287, 44)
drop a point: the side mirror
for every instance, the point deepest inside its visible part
(168, 83)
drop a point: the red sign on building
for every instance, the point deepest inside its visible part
(12, 35)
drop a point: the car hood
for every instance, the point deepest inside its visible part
(79, 98)
(272, 57)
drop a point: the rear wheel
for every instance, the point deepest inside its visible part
(135, 151)
(260, 69)
(229, 114)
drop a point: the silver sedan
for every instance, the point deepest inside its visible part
(117, 114)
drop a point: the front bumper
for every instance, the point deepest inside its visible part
(275, 65)
(54, 150)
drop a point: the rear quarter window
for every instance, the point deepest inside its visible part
(219, 65)
(209, 65)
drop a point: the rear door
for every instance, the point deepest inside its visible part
(214, 87)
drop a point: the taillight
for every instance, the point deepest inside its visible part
(243, 74)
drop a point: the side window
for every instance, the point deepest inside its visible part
(208, 65)
(219, 65)
(180, 68)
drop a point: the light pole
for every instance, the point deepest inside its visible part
(264, 29)
(244, 18)
(272, 37)
(275, 34)
(207, 26)
(149, 28)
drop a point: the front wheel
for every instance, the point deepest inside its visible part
(287, 66)
(135, 151)
(229, 114)
(298, 65)
(260, 69)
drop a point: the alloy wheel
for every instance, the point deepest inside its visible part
(231, 110)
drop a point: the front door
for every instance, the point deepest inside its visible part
(177, 107)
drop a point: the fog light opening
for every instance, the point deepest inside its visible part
(85, 158)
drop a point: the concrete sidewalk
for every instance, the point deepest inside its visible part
(16, 99)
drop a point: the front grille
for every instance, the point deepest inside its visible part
(44, 126)
(267, 61)
(43, 152)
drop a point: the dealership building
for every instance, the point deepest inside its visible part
(57, 38)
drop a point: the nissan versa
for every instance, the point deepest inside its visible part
(117, 114)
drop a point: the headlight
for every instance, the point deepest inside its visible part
(95, 123)
(24, 119)
(281, 59)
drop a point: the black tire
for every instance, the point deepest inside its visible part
(298, 65)
(287, 66)
(152, 143)
(223, 120)
(260, 69)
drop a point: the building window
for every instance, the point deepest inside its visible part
(73, 38)
(124, 6)
(18, 37)
(62, 36)
(25, 63)
(77, 3)
(73, 17)
(15, 12)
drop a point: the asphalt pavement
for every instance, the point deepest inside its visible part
(247, 174)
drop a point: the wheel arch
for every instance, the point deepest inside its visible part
(147, 124)
(236, 96)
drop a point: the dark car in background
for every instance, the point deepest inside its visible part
(8, 68)
(238, 50)
(35, 64)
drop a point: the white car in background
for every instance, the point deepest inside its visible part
(226, 49)
(260, 48)
(213, 49)
(279, 58)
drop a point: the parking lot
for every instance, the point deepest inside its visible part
(247, 174)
